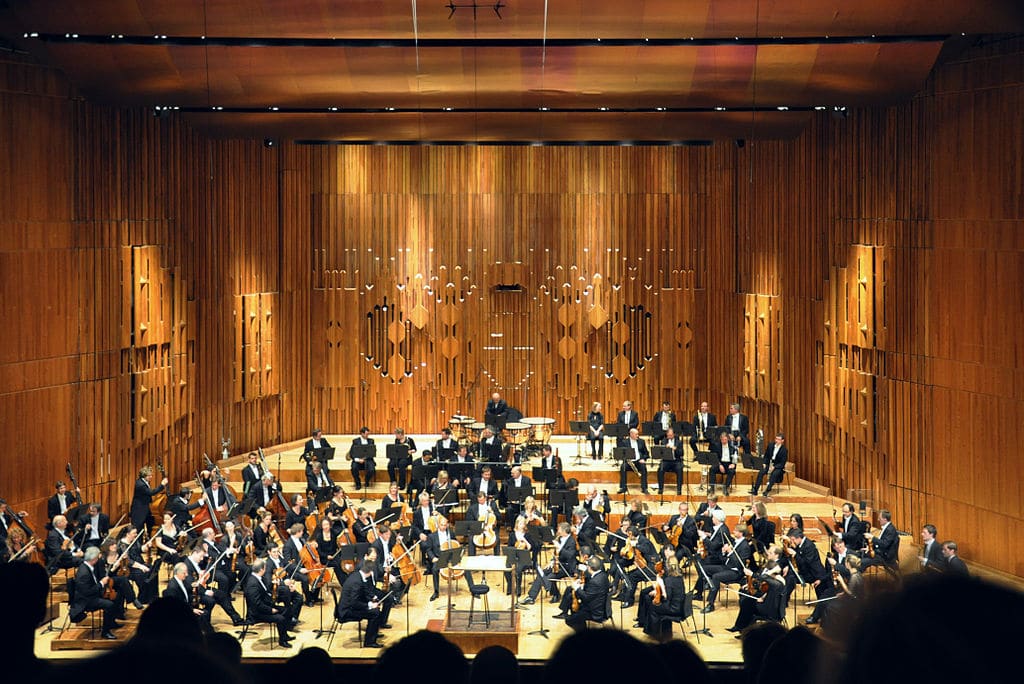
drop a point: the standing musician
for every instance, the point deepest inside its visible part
(142, 497)
(954, 564)
(367, 466)
(234, 565)
(397, 468)
(59, 503)
(445, 447)
(675, 465)
(775, 463)
(682, 531)
(565, 557)
(200, 576)
(738, 427)
(638, 459)
(592, 595)
(179, 588)
(655, 617)
(490, 446)
(252, 474)
(851, 530)
(663, 420)
(359, 602)
(702, 420)
(496, 408)
(486, 511)
(597, 504)
(221, 498)
(595, 431)
(736, 557)
(726, 458)
(292, 554)
(714, 541)
(89, 586)
(95, 526)
(584, 527)
(260, 603)
(638, 557)
(808, 563)
(628, 417)
(61, 552)
(887, 544)
(767, 601)
(550, 460)
(180, 507)
(139, 573)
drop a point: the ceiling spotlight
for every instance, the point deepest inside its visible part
(543, 109)
(782, 109)
(659, 109)
(274, 109)
(269, 142)
(820, 108)
(604, 109)
(332, 109)
(719, 109)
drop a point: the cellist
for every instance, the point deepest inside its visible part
(386, 553)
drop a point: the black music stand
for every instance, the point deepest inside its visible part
(652, 429)
(396, 451)
(752, 462)
(469, 529)
(566, 500)
(424, 472)
(442, 454)
(616, 430)
(664, 454)
(446, 500)
(581, 429)
(463, 472)
(706, 458)
(323, 454)
(367, 452)
(449, 558)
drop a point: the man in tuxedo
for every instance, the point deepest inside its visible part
(726, 459)
(675, 465)
(432, 547)
(496, 411)
(142, 497)
(221, 498)
(252, 473)
(358, 602)
(485, 483)
(706, 510)
(316, 442)
(702, 420)
(549, 460)
(565, 552)
(887, 544)
(196, 564)
(638, 458)
(775, 463)
(852, 529)
(593, 596)
(60, 551)
(663, 420)
(714, 541)
(95, 526)
(954, 564)
(735, 557)
(490, 446)
(628, 417)
(179, 588)
(259, 600)
(181, 509)
(399, 467)
(445, 448)
(89, 586)
(737, 423)
(585, 528)
(932, 559)
(509, 497)
(59, 503)
(367, 466)
(687, 529)
(319, 482)
(597, 505)
(811, 569)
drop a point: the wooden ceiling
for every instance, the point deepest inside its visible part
(561, 70)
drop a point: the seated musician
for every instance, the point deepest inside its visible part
(597, 504)
(490, 446)
(366, 466)
(261, 608)
(636, 514)
(663, 421)
(179, 506)
(319, 483)
(462, 474)
(358, 602)
(851, 529)
(675, 465)
(584, 527)
(112, 569)
(766, 601)
(362, 525)
(233, 544)
(265, 532)
(139, 572)
(638, 557)
(886, 544)
(557, 509)
(638, 459)
(726, 458)
(297, 512)
(398, 468)
(89, 586)
(520, 540)
(392, 500)
(292, 552)
(317, 441)
(59, 503)
(170, 541)
(808, 563)
(682, 531)
(736, 556)
(419, 479)
(613, 546)
(705, 510)
(656, 618)
(713, 541)
(201, 577)
(283, 573)
(336, 508)
(592, 596)
(774, 463)
(443, 491)
(218, 573)
(221, 498)
(61, 551)
(95, 525)
(484, 509)
(565, 558)
(702, 420)
(485, 483)
(388, 551)
(516, 482)
(261, 494)
(436, 542)
(179, 588)
(420, 526)
(445, 447)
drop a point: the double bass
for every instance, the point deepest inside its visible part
(159, 501)
(278, 505)
(207, 517)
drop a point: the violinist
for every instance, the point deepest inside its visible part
(421, 520)
(486, 512)
(89, 586)
(726, 458)
(291, 552)
(265, 533)
(584, 527)
(443, 491)
(519, 539)
(234, 565)
(638, 557)
(736, 556)
(219, 574)
(561, 565)
(705, 511)
(367, 466)
(297, 513)
(445, 447)
(59, 503)
(592, 595)
(167, 539)
(142, 497)
(138, 572)
(260, 602)
(111, 566)
(95, 526)
(808, 564)
(179, 588)
(252, 474)
(386, 546)
(358, 602)
(637, 518)
(282, 573)
(597, 504)
(851, 529)
(200, 577)
(60, 551)
(675, 465)
(762, 528)
(713, 541)
(839, 558)
(887, 544)
(654, 617)
(766, 601)
(682, 531)
(327, 545)
(180, 507)
(398, 467)
(319, 483)
(613, 547)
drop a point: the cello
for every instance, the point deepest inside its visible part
(317, 572)
(207, 517)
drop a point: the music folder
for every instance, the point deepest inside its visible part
(396, 451)
(364, 451)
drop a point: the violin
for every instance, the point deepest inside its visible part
(702, 550)
(576, 596)
(659, 592)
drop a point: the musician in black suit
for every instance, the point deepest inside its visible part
(398, 468)
(637, 568)
(490, 446)
(597, 504)
(675, 465)
(684, 527)
(59, 503)
(702, 420)
(705, 511)
(179, 588)
(368, 466)
(887, 544)
(258, 599)
(252, 473)
(198, 564)
(663, 420)
(181, 509)
(436, 542)
(735, 557)
(318, 441)
(808, 563)
(95, 525)
(767, 604)
(142, 497)
(714, 541)
(654, 618)
(485, 483)
(775, 463)
(550, 460)
(319, 482)
(509, 496)
(851, 530)
(565, 552)
(291, 551)
(932, 559)
(954, 564)
(628, 417)
(60, 551)
(726, 458)
(496, 409)
(593, 595)
(638, 459)
(89, 586)
(358, 602)
(738, 425)
(584, 527)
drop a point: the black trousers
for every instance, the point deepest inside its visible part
(641, 468)
(374, 619)
(716, 473)
(398, 469)
(369, 468)
(675, 467)
(773, 479)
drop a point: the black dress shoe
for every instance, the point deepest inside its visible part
(811, 621)
(284, 643)
(627, 604)
(527, 601)
(138, 604)
(237, 621)
(375, 644)
(109, 635)
(732, 629)
(560, 616)
(710, 608)
(433, 597)
(622, 491)
(388, 626)
(555, 598)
